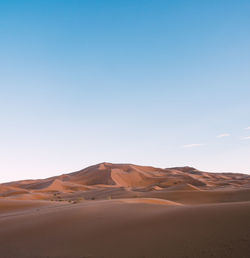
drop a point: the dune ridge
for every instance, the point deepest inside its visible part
(106, 180)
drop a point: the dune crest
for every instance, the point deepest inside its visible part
(150, 201)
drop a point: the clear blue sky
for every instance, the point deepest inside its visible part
(163, 83)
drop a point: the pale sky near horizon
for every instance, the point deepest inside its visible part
(161, 83)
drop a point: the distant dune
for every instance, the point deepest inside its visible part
(120, 181)
(125, 210)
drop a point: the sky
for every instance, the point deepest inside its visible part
(150, 82)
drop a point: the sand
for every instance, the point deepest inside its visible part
(127, 211)
(115, 228)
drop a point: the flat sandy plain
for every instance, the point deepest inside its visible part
(124, 210)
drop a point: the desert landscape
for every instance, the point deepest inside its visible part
(159, 90)
(126, 210)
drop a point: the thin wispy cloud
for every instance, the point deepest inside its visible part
(246, 138)
(223, 135)
(247, 128)
(193, 145)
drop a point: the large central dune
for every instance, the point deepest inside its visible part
(107, 180)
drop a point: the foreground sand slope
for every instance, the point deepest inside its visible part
(126, 228)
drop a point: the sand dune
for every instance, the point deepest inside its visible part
(115, 228)
(184, 187)
(150, 201)
(125, 210)
(7, 206)
(126, 179)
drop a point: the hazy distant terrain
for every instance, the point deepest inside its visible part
(125, 210)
